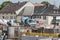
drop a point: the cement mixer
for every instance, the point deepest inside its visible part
(29, 21)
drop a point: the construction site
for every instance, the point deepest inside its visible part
(30, 21)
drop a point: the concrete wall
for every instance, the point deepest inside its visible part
(49, 18)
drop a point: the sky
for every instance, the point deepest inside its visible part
(55, 2)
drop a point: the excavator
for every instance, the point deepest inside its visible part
(29, 21)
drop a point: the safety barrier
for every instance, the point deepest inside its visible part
(40, 34)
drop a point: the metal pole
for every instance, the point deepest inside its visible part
(54, 18)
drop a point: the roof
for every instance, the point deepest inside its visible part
(29, 11)
(46, 10)
(12, 7)
(51, 11)
(37, 4)
(39, 9)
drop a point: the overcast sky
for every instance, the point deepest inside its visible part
(57, 2)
